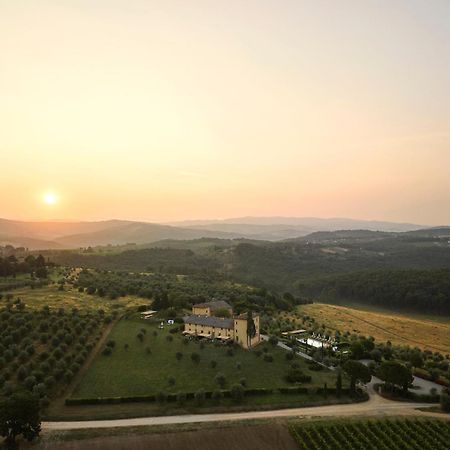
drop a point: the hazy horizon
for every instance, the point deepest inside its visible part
(167, 111)
(270, 219)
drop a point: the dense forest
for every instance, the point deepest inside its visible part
(426, 291)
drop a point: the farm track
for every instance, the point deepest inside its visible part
(375, 406)
(59, 402)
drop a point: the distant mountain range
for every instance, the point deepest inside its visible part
(59, 235)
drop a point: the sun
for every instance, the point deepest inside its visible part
(50, 198)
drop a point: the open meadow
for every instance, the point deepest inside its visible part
(432, 333)
(70, 297)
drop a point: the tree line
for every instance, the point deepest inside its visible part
(11, 266)
(425, 291)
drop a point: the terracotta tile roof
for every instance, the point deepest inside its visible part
(210, 321)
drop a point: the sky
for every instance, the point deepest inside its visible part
(171, 110)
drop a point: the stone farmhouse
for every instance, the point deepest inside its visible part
(204, 322)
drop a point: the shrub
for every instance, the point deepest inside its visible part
(195, 357)
(68, 376)
(199, 397)
(148, 350)
(445, 400)
(237, 392)
(111, 343)
(290, 356)
(273, 340)
(44, 402)
(29, 382)
(220, 379)
(243, 381)
(22, 373)
(213, 364)
(181, 398)
(171, 381)
(314, 366)
(297, 376)
(49, 382)
(161, 397)
(268, 357)
(216, 396)
(107, 351)
(179, 356)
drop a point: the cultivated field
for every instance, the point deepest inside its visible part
(424, 332)
(202, 437)
(70, 298)
(151, 366)
(373, 434)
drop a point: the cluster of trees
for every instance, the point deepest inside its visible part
(19, 416)
(40, 349)
(417, 290)
(172, 291)
(11, 266)
(428, 364)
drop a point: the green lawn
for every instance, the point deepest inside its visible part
(135, 372)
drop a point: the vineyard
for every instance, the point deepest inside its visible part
(388, 434)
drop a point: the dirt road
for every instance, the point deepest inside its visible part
(375, 406)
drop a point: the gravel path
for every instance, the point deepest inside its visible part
(375, 406)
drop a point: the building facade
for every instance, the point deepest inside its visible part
(203, 323)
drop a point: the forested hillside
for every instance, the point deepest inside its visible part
(401, 270)
(167, 260)
(426, 291)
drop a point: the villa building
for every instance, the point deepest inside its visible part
(204, 323)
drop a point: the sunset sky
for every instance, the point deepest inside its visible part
(167, 110)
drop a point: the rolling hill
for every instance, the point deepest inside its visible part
(52, 235)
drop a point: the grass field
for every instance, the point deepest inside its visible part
(373, 434)
(424, 332)
(136, 372)
(71, 298)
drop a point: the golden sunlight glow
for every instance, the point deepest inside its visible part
(169, 110)
(50, 198)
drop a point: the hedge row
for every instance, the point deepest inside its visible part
(422, 373)
(191, 395)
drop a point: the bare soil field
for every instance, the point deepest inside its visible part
(251, 437)
(426, 333)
